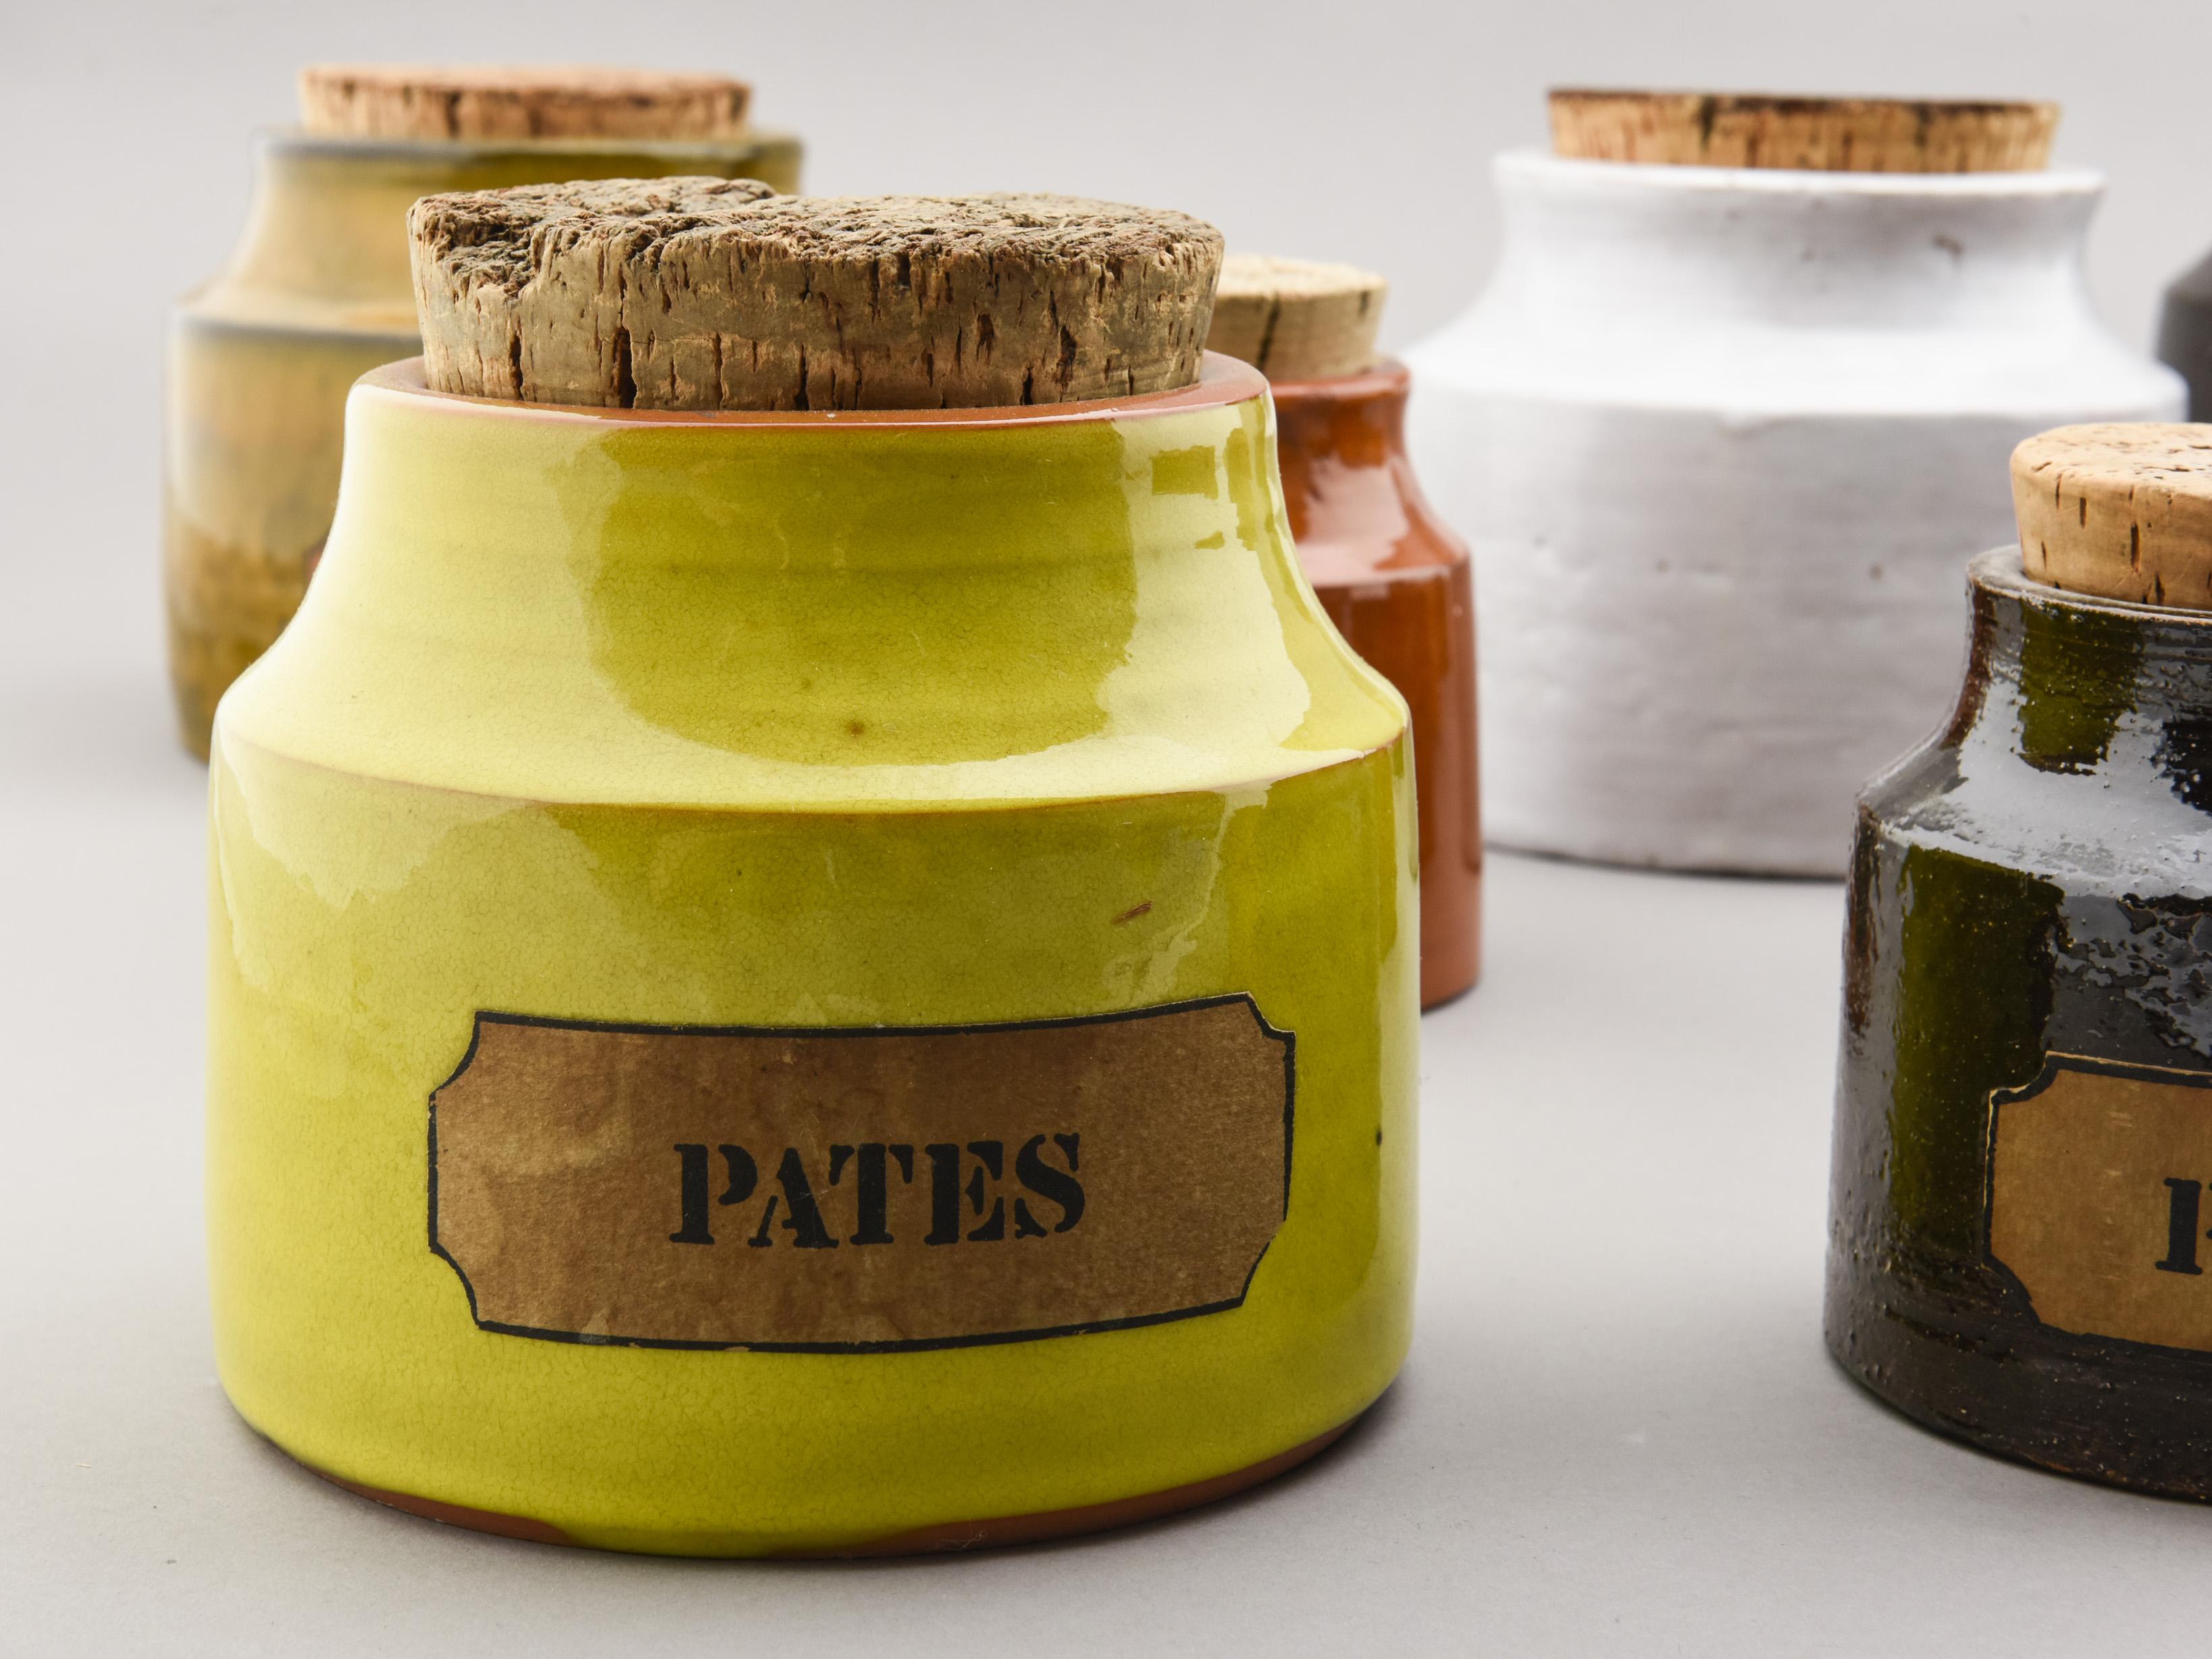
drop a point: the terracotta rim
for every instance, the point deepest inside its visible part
(947, 1537)
(1222, 381)
(1384, 376)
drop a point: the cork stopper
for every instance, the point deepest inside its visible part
(1296, 320)
(716, 293)
(2121, 510)
(1820, 135)
(473, 101)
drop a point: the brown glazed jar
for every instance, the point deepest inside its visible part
(1393, 577)
(1396, 583)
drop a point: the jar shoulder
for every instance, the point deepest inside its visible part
(2113, 829)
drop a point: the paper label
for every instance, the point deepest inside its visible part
(861, 1189)
(2097, 1198)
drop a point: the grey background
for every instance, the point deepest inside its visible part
(1355, 129)
(1617, 1430)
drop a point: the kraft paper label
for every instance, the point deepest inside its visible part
(2097, 1200)
(861, 1189)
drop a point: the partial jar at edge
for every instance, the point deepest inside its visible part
(2024, 1110)
(1398, 587)
(2185, 334)
(316, 293)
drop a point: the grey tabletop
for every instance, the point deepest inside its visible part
(1618, 1426)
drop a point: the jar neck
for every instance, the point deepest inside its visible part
(1794, 248)
(326, 240)
(2077, 685)
(1355, 508)
(1338, 440)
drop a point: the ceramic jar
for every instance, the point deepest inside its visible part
(316, 293)
(2185, 334)
(1720, 439)
(2024, 1116)
(1396, 583)
(810, 982)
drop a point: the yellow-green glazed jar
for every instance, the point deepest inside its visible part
(316, 293)
(809, 983)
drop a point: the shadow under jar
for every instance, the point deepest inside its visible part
(2024, 1114)
(318, 293)
(1398, 584)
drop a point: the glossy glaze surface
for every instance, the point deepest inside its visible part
(794, 720)
(2037, 879)
(1398, 584)
(316, 293)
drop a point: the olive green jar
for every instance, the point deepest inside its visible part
(2024, 1115)
(316, 293)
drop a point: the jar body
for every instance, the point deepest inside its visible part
(2024, 1095)
(1398, 584)
(317, 294)
(811, 734)
(2185, 335)
(1720, 439)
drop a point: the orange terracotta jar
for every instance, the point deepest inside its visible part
(1395, 582)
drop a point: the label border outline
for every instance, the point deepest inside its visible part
(994, 1338)
(2055, 1061)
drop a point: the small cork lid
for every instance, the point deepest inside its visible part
(1296, 319)
(2121, 510)
(489, 101)
(1820, 135)
(706, 293)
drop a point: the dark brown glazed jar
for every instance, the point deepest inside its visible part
(2017, 1237)
(1396, 583)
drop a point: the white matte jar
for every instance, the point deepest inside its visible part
(1722, 441)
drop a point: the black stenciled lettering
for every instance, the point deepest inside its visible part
(944, 1193)
(743, 1175)
(953, 1203)
(803, 1215)
(692, 1179)
(1058, 1186)
(990, 1155)
(871, 1176)
(2184, 1200)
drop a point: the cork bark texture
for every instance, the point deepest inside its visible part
(1822, 135)
(2124, 511)
(1296, 319)
(703, 293)
(443, 101)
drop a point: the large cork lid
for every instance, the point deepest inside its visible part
(1296, 319)
(487, 101)
(1822, 135)
(2121, 510)
(715, 293)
